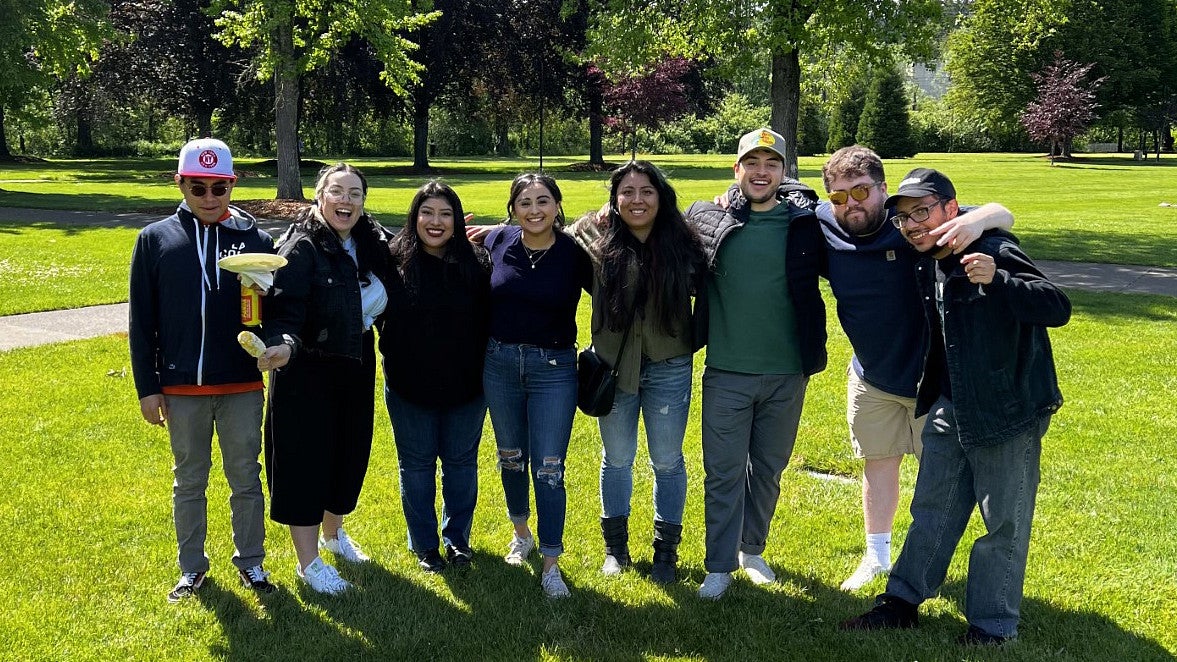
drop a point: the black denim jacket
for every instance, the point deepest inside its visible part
(316, 297)
(994, 344)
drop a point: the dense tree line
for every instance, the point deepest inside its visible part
(401, 77)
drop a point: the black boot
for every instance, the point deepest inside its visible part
(616, 533)
(666, 539)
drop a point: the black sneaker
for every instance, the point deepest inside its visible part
(186, 587)
(887, 614)
(431, 561)
(459, 557)
(256, 578)
(975, 636)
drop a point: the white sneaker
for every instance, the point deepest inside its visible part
(714, 585)
(322, 577)
(758, 571)
(553, 583)
(343, 547)
(868, 569)
(519, 549)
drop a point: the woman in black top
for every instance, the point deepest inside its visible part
(433, 338)
(319, 316)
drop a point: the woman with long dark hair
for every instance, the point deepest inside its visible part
(645, 262)
(433, 339)
(530, 374)
(319, 317)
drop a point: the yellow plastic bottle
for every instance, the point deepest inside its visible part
(251, 307)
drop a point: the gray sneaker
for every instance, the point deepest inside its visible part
(519, 549)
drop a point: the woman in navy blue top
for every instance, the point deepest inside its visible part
(529, 378)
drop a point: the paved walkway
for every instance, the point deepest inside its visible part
(63, 325)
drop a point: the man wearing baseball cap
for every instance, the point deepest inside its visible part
(989, 390)
(190, 373)
(763, 319)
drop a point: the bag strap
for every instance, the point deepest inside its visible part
(633, 309)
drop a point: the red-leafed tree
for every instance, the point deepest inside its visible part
(648, 99)
(1064, 106)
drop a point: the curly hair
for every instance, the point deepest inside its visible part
(850, 162)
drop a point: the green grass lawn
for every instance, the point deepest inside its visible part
(89, 549)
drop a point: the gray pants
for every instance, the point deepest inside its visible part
(238, 421)
(749, 427)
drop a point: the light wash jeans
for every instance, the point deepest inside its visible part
(952, 481)
(424, 435)
(531, 395)
(664, 401)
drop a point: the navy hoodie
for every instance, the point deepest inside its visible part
(185, 312)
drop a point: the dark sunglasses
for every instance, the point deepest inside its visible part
(859, 193)
(199, 190)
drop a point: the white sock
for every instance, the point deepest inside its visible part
(878, 545)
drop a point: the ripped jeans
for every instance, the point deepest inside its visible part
(531, 395)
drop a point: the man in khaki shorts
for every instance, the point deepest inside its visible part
(872, 275)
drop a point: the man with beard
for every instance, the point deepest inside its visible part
(990, 389)
(871, 271)
(765, 334)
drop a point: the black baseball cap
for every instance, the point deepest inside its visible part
(921, 182)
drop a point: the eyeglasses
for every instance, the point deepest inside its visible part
(859, 193)
(917, 215)
(338, 194)
(199, 190)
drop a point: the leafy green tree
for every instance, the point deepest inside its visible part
(885, 126)
(45, 39)
(630, 33)
(845, 117)
(296, 36)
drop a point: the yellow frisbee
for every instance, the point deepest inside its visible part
(251, 262)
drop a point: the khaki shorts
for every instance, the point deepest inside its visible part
(882, 425)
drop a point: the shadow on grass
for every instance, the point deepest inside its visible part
(496, 611)
(77, 201)
(1121, 308)
(1076, 245)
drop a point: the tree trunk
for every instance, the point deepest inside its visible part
(204, 121)
(420, 133)
(1120, 138)
(84, 143)
(785, 94)
(502, 135)
(4, 153)
(286, 114)
(596, 127)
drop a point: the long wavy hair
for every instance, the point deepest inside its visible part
(666, 261)
(406, 246)
(527, 179)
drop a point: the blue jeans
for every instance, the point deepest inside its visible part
(531, 394)
(952, 480)
(664, 399)
(423, 435)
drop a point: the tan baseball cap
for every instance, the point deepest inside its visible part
(761, 139)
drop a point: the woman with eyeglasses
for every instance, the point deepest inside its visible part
(319, 317)
(530, 374)
(645, 261)
(433, 339)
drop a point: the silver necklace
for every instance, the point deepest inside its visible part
(534, 256)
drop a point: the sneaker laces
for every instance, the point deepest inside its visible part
(188, 579)
(349, 548)
(256, 574)
(553, 583)
(520, 547)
